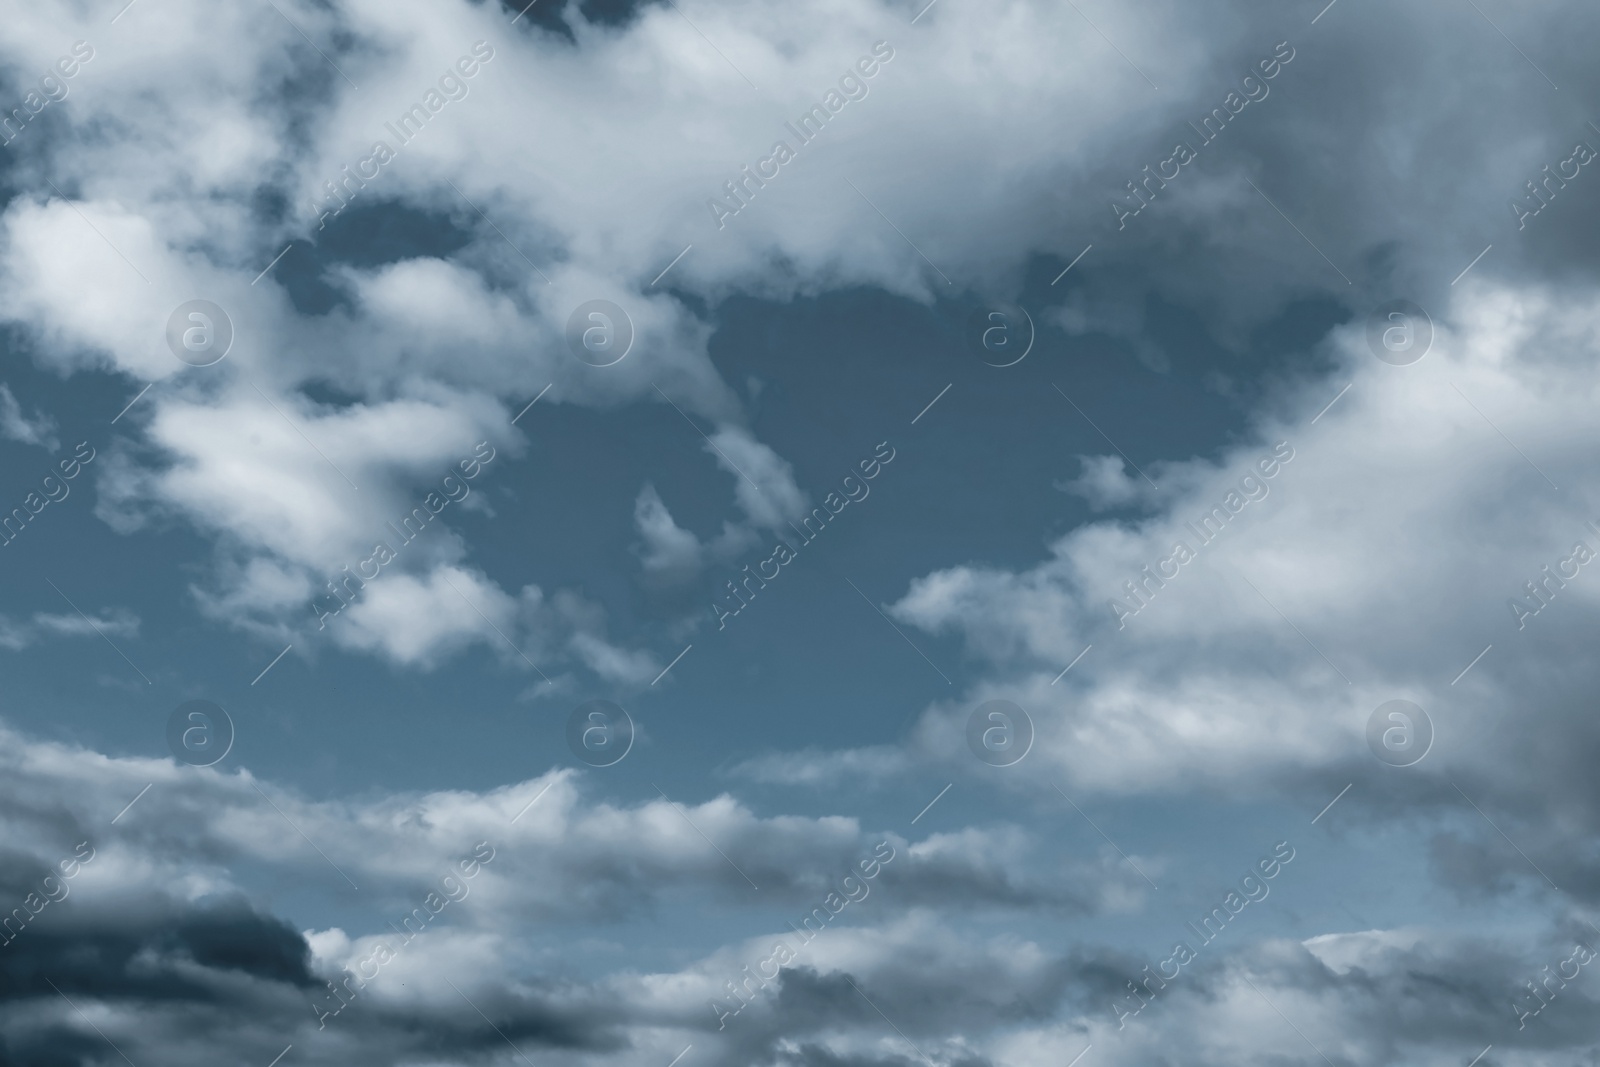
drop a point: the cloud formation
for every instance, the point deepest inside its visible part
(1417, 516)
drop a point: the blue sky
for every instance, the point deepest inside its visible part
(1219, 355)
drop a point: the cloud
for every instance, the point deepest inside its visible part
(161, 946)
(15, 426)
(765, 486)
(414, 619)
(198, 824)
(817, 767)
(160, 942)
(167, 230)
(668, 548)
(1105, 483)
(591, 227)
(17, 635)
(1416, 511)
(1192, 661)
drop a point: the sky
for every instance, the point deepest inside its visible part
(861, 534)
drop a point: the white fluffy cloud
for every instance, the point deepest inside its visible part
(1392, 552)
(167, 151)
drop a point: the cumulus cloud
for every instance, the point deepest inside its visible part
(160, 903)
(1400, 535)
(1281, 599)
(585, 229)
(158, 941)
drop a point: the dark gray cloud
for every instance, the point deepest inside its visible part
(151, 948)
